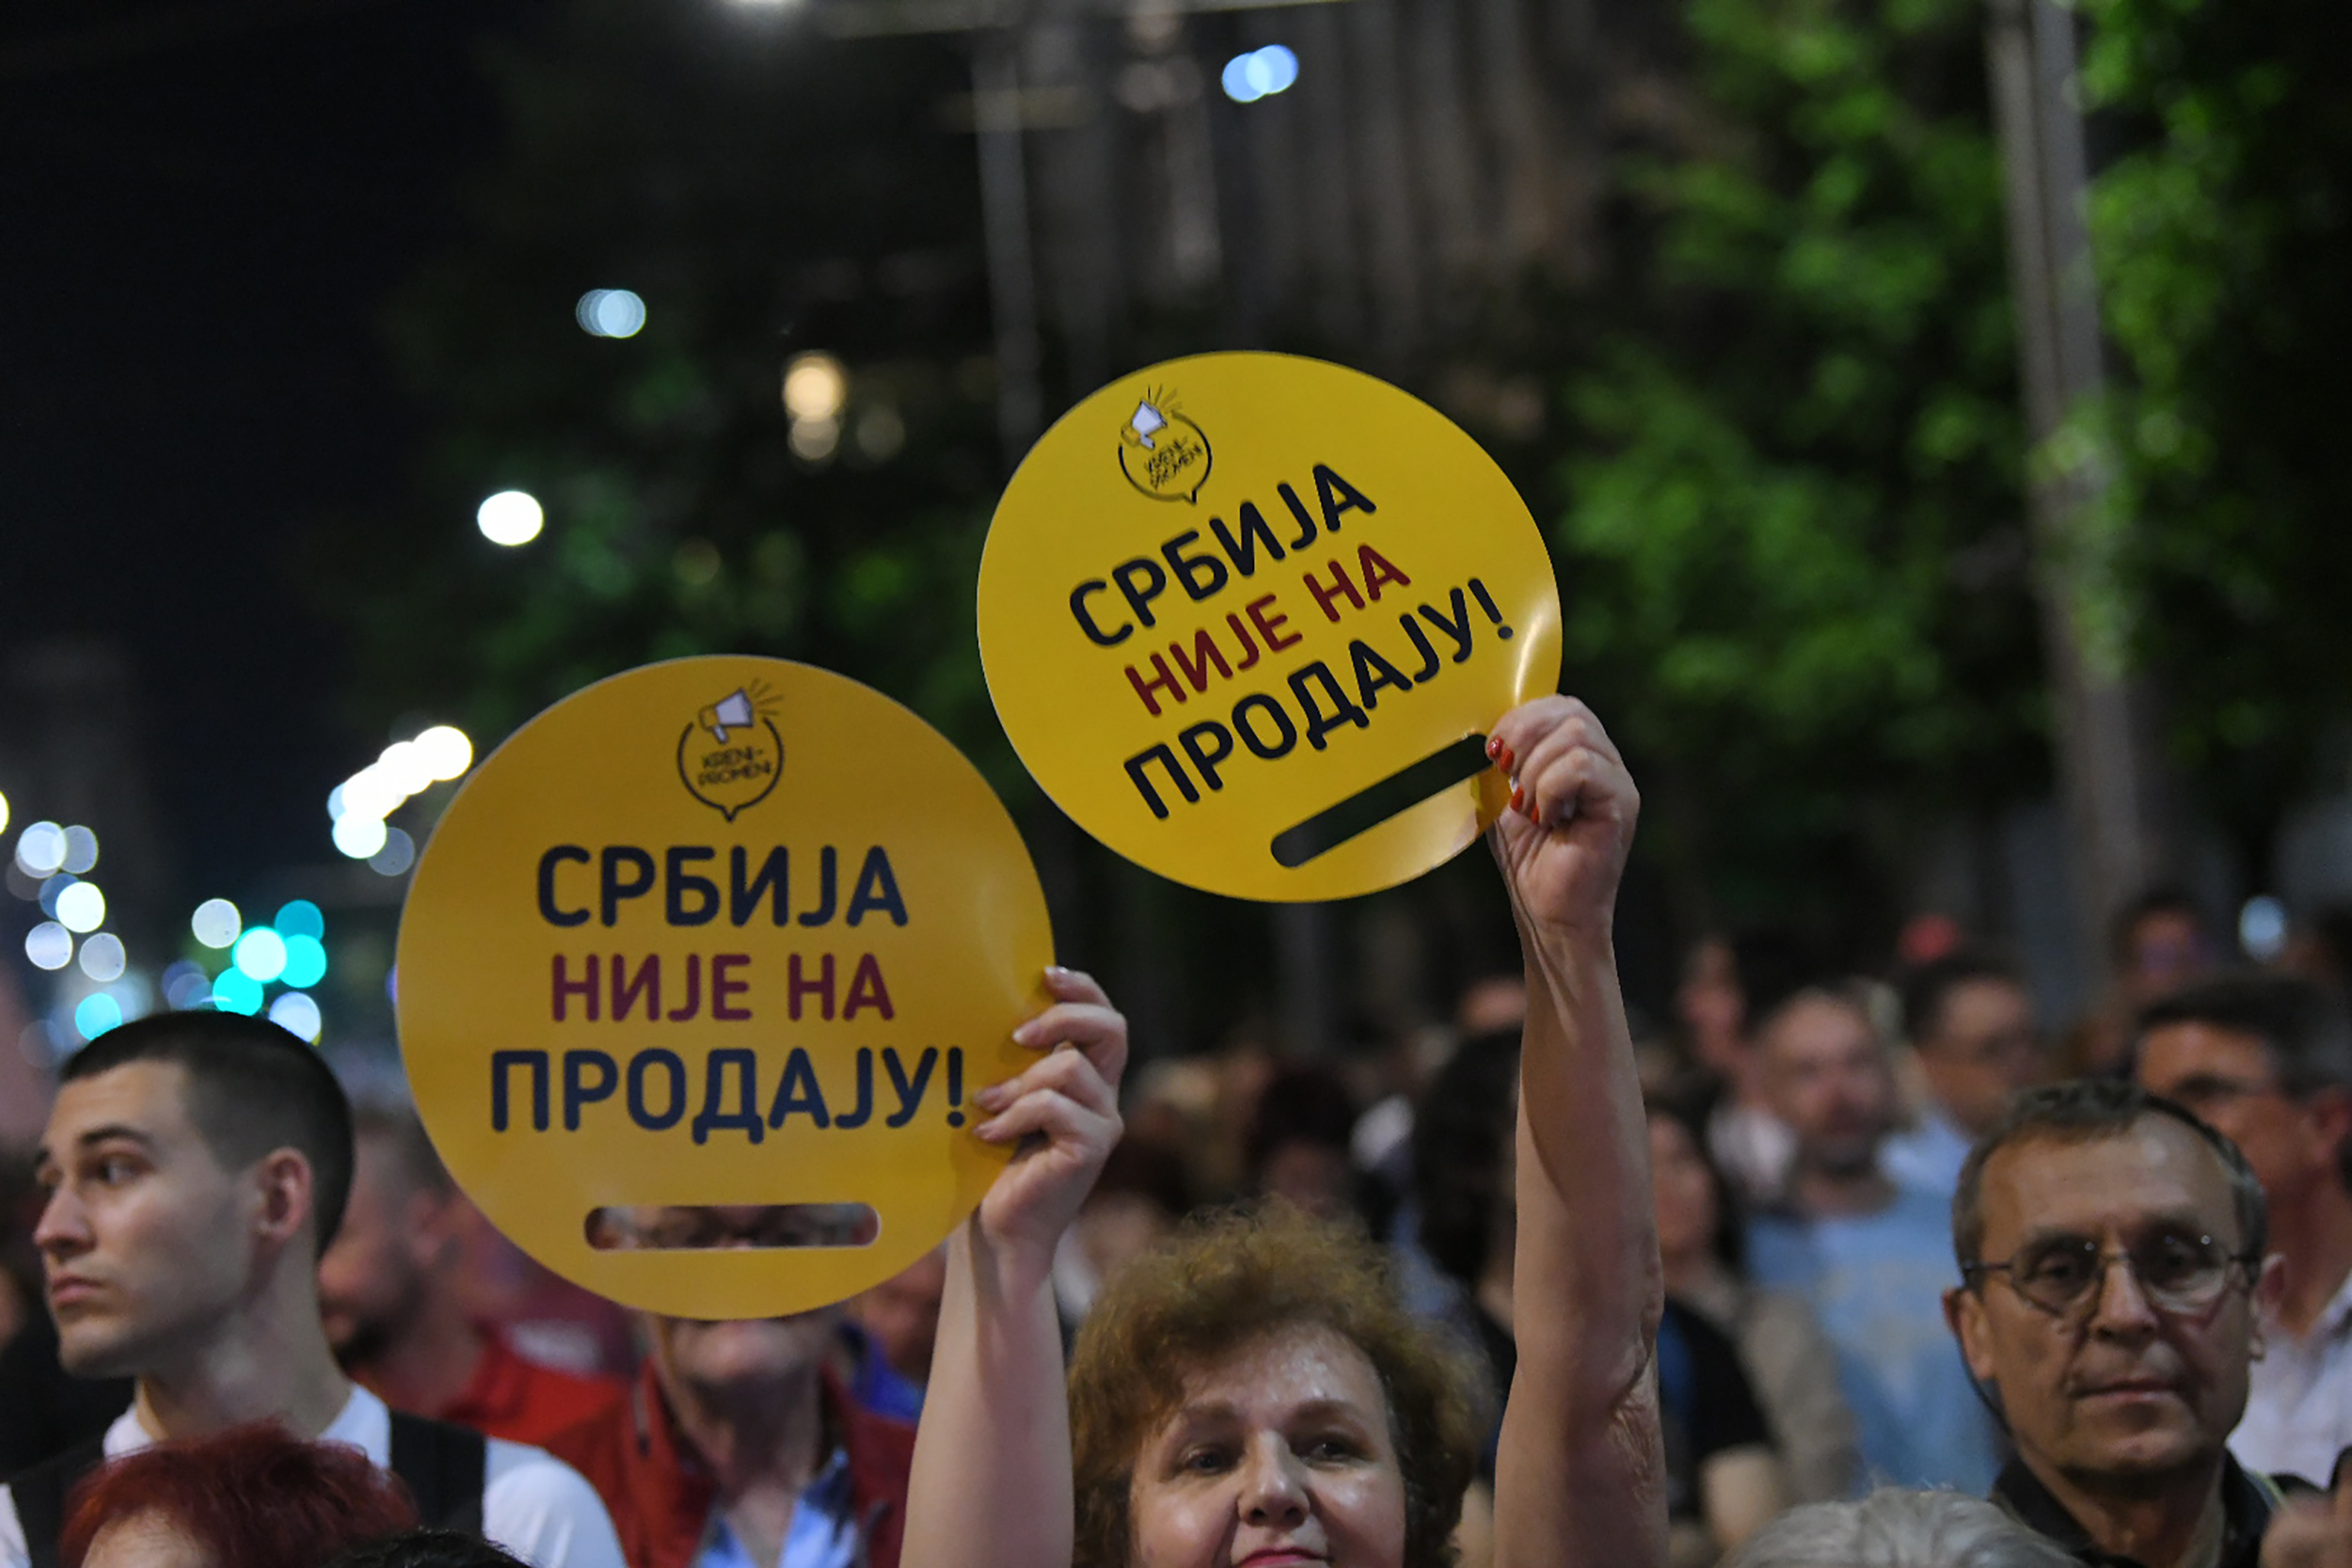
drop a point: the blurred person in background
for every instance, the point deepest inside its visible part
(1143, 1192)
(1299, 1145)
(252, 1496)
(1789, 1360)
(390, 1296)
(2113, 1264)
(1871, 1256)
(738, 1445)
(1971, 1024)
(1727, 985)
(1899, 1528)
(2266, 1061)
(889, 1333)
(2155, 946)
(196, 1165)
(1724, 1480)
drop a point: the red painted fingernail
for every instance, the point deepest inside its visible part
(1518, 795)
(1494, 746)
(1510, 761)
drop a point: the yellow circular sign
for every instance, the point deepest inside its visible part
(721, 932)
(1244, 616)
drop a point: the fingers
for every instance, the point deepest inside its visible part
(1562, 762)
(1513, 741)
(1068, 1073)
(1061, 1119)
(1083, 1017)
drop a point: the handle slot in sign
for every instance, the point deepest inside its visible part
(759, 1227)
(1373, 805)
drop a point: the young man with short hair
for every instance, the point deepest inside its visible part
(195, 1165)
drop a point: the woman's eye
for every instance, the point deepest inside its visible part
(1205, 1461)
(1332, 1449)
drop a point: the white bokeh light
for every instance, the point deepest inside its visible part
(296, 1014)
(510, 517)
(81, 851)
(446, 751)
(82, 908)
(359, 837)
(259, 954)
(49, 945)
(103, 958)
(610, 313)
(41, 849)
(215, 923)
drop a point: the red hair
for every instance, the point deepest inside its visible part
(253, 1497)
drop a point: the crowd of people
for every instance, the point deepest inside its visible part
(1881, 1271)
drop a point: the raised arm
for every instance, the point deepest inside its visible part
(991, 1484)
(1580, 1475)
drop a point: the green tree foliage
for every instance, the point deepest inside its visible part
(2223, 237)
(1792, 550)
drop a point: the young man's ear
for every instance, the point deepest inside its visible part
(286, 1187)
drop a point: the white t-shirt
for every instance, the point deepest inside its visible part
(533, 1504)
(2299, 1401)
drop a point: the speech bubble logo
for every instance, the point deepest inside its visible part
(731, 757)
(1163, 453)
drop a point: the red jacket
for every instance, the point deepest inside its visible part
(660, 1495)
(525, 1403)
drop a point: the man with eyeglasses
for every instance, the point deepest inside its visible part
(2266, 1061)
(2111, 1253)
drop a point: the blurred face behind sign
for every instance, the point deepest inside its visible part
(2226, 1077)
(1984, 1050)
(373, 1276)
(145, 1240)
(1829, 1082)
(735, 1353)
(1277, 1456)
(2118, 1392)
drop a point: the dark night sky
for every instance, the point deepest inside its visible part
(204, 206)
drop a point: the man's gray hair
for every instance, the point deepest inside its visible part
(1899, 1528)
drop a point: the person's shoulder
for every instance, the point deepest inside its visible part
(12, 1552)
(543, 1509)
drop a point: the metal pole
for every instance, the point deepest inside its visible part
(2102, 712)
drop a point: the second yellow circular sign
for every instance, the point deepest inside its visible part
(1238, 612)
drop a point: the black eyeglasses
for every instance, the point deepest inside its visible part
(2177, 1271)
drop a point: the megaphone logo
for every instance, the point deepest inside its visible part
(730, 757)
(735, 710)
(1163, 453)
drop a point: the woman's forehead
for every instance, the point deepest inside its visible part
(1284, 1368)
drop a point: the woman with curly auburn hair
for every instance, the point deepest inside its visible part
(1251, 1396)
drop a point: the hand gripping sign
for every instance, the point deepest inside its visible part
(1240, 614)
(717, 932)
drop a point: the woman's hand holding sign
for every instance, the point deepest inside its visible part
(1563, 844)
(1064, 1111)
(1580, 1471)
(997, 1378)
